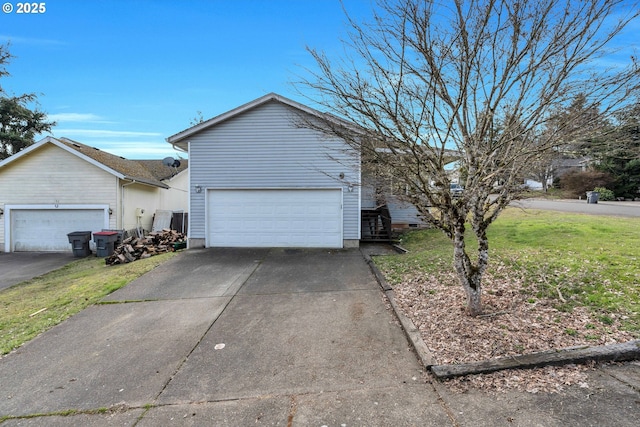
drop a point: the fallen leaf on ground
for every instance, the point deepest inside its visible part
(513, 323)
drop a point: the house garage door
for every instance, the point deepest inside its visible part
(274, 218)
(47, 229)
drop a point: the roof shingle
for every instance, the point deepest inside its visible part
(130, 169)
(160, 170)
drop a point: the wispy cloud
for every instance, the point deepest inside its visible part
(141, 150)
(30, 40)
(77, 118)
(130, 145)
(100, 133)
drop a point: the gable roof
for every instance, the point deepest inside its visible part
(180, 138)
(123, 168)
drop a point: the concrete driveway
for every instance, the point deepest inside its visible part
(228, 337)
(16, 267)
(238, 337)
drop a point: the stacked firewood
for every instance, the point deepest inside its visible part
(154, 243)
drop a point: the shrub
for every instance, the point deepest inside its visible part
(605, 194)
(578, 183)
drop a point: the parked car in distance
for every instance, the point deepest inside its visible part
(456, 190)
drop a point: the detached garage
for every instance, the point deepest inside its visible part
(35, 228)
(57, 186)
(258, 178)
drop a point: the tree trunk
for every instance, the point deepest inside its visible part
(545, 180)
(470, 275)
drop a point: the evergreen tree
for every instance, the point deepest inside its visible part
(18, 123)
(621, 158)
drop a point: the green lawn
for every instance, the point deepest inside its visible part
(583, 259)
(34, 306)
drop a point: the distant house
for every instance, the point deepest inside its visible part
(57, 186)
(259, 178)
(559, 167)
(565, 165)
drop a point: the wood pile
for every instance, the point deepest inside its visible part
(154, 243)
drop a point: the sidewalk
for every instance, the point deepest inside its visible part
(263, 337)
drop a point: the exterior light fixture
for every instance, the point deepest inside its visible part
(198, 189)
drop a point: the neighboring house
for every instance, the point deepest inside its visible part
(565, 165)
(57, 186)
(559, 167)
(176, 198)
(258, 178)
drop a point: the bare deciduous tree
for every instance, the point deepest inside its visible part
(477, 78)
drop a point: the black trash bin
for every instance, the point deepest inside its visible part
(119, 238)
(80, 243)
(592, 196)
(105, 241)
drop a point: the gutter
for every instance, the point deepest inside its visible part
(145, 182)
(173, 144)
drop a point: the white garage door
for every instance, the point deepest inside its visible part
(47, 229)
(274, 218)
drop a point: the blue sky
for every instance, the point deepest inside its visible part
(124, 75)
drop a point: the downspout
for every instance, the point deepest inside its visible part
(189, 179)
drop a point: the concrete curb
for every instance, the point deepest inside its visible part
(386, 287)
(412, 333)
(607, 353)
(573, 355)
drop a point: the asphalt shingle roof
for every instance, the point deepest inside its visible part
(131, 169)
(160, 170)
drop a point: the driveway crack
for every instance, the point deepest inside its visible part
(236, 285)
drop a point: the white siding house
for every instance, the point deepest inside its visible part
(257, 178)
(176, 198)
(58, 186)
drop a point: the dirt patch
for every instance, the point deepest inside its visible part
(357, 311)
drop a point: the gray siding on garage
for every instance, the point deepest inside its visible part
(264, 148)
